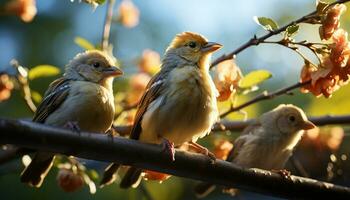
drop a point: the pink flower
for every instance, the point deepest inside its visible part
(330, 22)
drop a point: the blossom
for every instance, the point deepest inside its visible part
(138, 83)
(226, 79)
(222, 149)
(128, 14)
(69, 181)
(149, 62)
(6, 86)
(333, 70)
(155, 176)
(330, 21)
(25, 9)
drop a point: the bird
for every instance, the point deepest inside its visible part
(267, 143)
(82, 99)
(179, 105)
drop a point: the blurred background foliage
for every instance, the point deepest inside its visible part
(49, 39)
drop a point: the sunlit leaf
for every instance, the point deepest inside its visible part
(254, 78)
(83, 43)
(292, 30)
(26, 160)
(93, 174)
(36, 96)
(43, 71)
(267, 23)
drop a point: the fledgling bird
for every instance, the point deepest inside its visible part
(267, 143)
(179, 104)
(83, 96)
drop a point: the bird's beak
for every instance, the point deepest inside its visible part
(308, 125)
(211, 47)
(112, 71)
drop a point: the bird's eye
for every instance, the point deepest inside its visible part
(291, 118)
(96, 64)
(192, 45)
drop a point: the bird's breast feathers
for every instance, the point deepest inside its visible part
(89, 104)
(185, 111)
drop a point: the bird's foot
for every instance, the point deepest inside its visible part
(284, 173)
(168, 147)
(74, 126)
(230, 191)
(111, 132)
(202, 150)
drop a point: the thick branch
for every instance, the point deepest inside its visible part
(240, 125)
(189, 165)
(257, 40)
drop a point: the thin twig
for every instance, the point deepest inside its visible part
(152, 157)
(22, 79)
(264, 96)
(107, 25)
(257, 40)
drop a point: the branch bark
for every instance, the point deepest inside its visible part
(195, 166)
(240, 125)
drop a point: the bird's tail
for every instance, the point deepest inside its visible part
(203, 189)
(132, 178)
(110, 174)
(37, 170)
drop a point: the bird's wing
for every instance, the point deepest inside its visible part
(153, 90)
(241, 140)
(54, 97)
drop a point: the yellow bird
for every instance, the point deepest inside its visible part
(267, 143)
(82, 97)
(179, 104)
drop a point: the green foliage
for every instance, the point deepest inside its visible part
(43, 71)
(36, 96)
(291, 31)
(83, 43)
(267, 23)
(254, 78)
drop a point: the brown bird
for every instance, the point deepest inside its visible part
(267, 143)
(83, 96)
(179, 104)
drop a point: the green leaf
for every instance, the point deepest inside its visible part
(43, 71)
(100, 1)
(83, 43)
(254, 78)
(321, 6)
(36, 96)
(267, 23)
(292, 30)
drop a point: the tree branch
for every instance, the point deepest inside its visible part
(240, 125)
(257, 40)
(107, 25)
(147, 156)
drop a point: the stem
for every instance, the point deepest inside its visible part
(107, 25)
(152, 157)
(264, 96)
(257, 40)
(24, 84)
